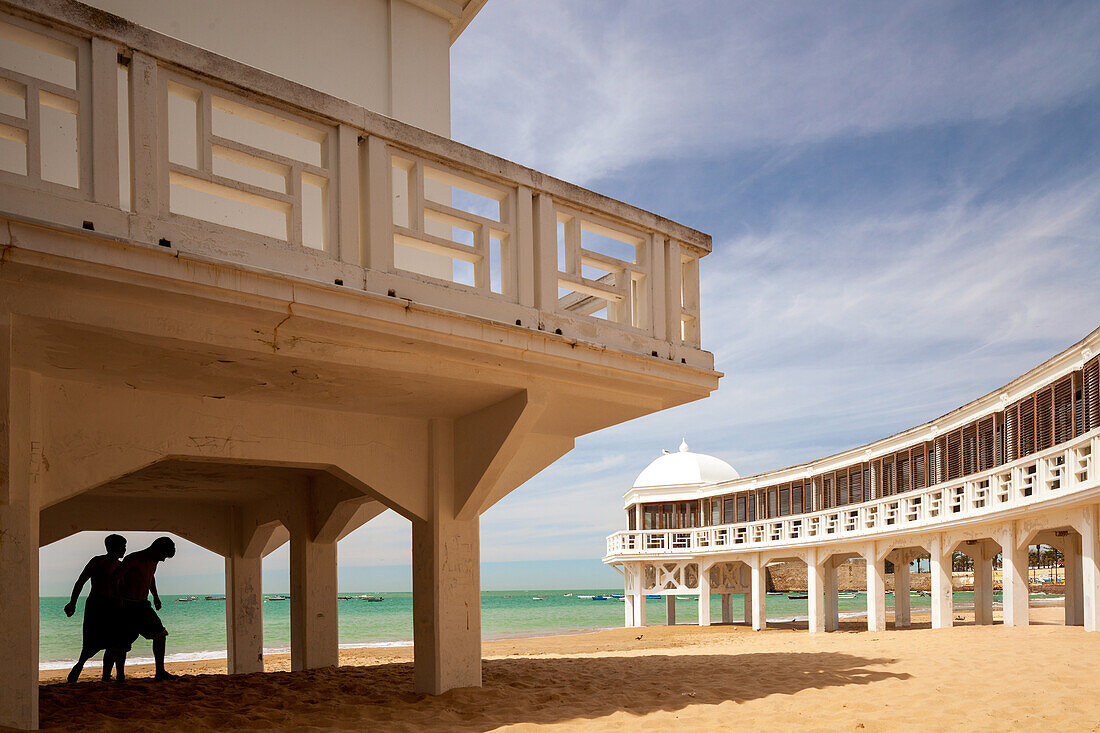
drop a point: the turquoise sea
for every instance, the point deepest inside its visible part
(197, 628)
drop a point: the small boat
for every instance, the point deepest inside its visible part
(568, 595)
(275, 598)
(846, 595)
(654, 598)
(795, 598)
(537, 598)
(585, 596)
(372, 599)
(186, 600)
(616, 595)
(777, 593)
(215, 598)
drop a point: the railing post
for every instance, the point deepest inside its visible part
(658, 296)
(545, 239)
(673, 294)
(347, 195)
(375, 179)
(524, 248)
(105, 183)
(149, 193)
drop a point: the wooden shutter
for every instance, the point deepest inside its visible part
(1026, 441)
(987, 454)
(855, 484)
(1011, 434)
(796, 497)
(841, 487)
(954, 454)
(901, 467)
(1063, 410)
(1090, 395)
(785, 500)
(970, 449)
(920, 474)
(1044, 419)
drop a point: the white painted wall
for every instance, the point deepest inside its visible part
(389, 56)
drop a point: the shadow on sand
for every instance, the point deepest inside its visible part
(536, 690)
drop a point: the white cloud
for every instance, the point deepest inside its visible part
(583, 89)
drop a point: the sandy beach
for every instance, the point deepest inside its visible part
(967, 677)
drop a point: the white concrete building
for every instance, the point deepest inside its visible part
(251, 293)
(1014, 468)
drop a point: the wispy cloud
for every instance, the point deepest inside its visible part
(583, 89)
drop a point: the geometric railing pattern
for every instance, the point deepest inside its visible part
(1068, 470)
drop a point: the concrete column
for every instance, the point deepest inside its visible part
(832, 596)
(1089, 527)
(20, 464)
(639, 609)
(876, 589)
(942, 601)
(446, 581)
(314, 634)
(670, 610)
(1075, 609)
(1013, 578)
(903, 617)
(759, 596)
(727, 608)
(704, 595)
(815, 587)
(244, 614)
(630, 582)
(983, 587)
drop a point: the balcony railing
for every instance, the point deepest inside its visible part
(1063, 472)
(107, 125)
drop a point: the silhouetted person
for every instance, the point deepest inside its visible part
(101, 608)
(134, 584)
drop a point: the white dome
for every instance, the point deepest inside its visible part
(685, 468)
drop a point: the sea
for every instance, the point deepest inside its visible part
(197, 627)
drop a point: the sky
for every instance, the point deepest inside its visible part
(905, 205)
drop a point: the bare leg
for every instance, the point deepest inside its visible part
(74, 674)
(108, 663)
(158, 656)
(120, 665)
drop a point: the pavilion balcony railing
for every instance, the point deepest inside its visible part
(152, 141)
(1058, 473)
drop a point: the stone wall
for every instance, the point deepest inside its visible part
(851, 575)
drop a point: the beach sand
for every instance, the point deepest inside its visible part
(967, 677)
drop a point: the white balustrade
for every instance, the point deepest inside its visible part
(1052, 474)
(245, 168)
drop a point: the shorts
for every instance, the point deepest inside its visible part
(139, 619)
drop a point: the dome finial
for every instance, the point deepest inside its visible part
(684, 445)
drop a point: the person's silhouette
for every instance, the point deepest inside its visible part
(100, 609)
(134, 583)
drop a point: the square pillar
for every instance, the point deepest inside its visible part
(704, 595)
(314, 633)
(1089, 527)
(876, 589)
(21, 462)
(903, 616)
(446, 581)
(815, 592)
(983, 587)
(759, 595)
(832, 596)
(639, 609)
(727, 608)
(942, 598)
(1075, 610)
(244, 625)
(1013, 578)
(670, 610)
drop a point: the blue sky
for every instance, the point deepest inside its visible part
(905, 206)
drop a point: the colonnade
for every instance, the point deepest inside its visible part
(1073, 531)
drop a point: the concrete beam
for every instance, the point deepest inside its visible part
(208, 525)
